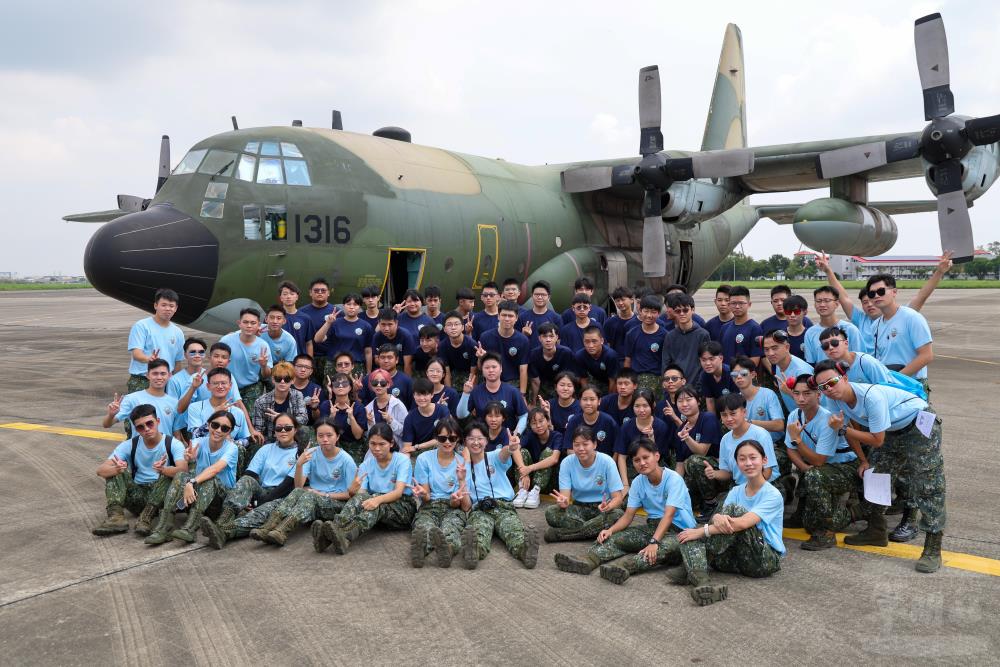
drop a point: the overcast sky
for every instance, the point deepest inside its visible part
(89, 88)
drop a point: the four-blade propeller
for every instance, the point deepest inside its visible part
(655, 172)
(943, 143)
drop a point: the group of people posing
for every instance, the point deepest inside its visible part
(343, 418)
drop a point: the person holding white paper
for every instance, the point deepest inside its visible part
(898, 448)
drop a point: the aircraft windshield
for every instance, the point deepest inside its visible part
(190, 162)
(220, 163)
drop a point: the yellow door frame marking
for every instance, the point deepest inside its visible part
(476, 284)
(388, 265)
(59, 430)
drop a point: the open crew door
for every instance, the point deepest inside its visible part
(405, 271)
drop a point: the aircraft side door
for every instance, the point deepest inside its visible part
(487, 254)
(266, 230)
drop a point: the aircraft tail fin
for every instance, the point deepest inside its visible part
(726, 126)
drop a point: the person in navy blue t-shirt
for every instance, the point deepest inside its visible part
(583, 285)
(509, 345)
(411, 316)
(623, 321)
(296, 323)
(740, 336)
(390, 333)
(540, 312)
(779, 294)
(457, 350)
(547, 361)
(644, 343)
(725, 316)
(476, 396)
(715, 379)
(597, 362)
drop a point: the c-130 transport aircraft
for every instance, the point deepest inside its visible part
(247, 209)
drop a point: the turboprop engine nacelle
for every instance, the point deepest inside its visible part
(979, 170)
(841, 227)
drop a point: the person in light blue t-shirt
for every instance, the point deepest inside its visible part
(380, 494)
(744, 537)
(763, 410)
(138, 482)
(155, 394)
(251, 361)
(903, 340)
(662, 494)
(322, 476)
(215, 457)
(590, 493)
(784, 364)
(490, 501)
(155, 337)
(281, 343)
(827, 466)
(439, 479)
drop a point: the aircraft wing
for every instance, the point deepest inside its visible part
(783, 214)
(786, 167)
(96, 216)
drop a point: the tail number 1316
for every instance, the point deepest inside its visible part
(322, 229)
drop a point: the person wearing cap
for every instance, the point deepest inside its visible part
(899, 448)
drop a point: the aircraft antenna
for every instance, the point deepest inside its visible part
(337, 123)
(235, 125)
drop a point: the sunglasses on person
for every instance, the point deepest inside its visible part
(219, 426)
(833, 342)
(340, 384)
(793, 311)
(379, 383)
(682, 310)
(832, 382)
(282, 379)
(285, 428)
(672, 378)
(196, 353)
(145, 426)
(872, 293)
(739, 374)
(446, 438)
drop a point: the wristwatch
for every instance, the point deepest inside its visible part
(653, 540)
(842, 431)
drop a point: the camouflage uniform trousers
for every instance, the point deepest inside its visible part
(458, 380)
(323, 366)
(745, 552)
(631, 541)
(357, 521)
(136, 383)
(247, 489)
(307, 506)
(251, 393)
(210, 494)
(440, 513)
(580, 521)
(819, 490)
(651, 381)
(540, 478)
(121, 491)
(702, 488)
(917, 462)
(547, 389)
(355, 448)
(505, 522)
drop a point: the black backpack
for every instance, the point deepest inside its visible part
(135, 446)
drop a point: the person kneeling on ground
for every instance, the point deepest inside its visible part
(138, 473)
(827, 466)
(439, 478)
(744, 537)
(380, 494)
(216, 457)
(662, 493)
(264, 484)
(327, 469)
(490, 502)
(590, 492)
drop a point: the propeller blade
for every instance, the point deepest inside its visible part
(650, 137)
(953, 212)
(982, 131)
(932, 65)
(623, 174)
(850, 160)
(164, 171)
(131, 203)
(721, 164)
(586, 179)
(654, 246)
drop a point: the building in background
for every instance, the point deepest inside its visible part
(853, 267)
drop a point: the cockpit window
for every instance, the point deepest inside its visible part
(244, 170)
(270, 171)
(219, 163)
(290, 150)
(190, 162)
(296, 172)
(252, 147)
(269, 148)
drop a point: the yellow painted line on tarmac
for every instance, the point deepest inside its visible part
(952, 559)
(975, 361)
(76, 432)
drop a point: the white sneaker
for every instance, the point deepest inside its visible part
(534, 499)
(520, 498)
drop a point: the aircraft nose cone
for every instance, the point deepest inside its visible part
(130, 258)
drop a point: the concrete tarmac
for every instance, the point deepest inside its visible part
(67, 597)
